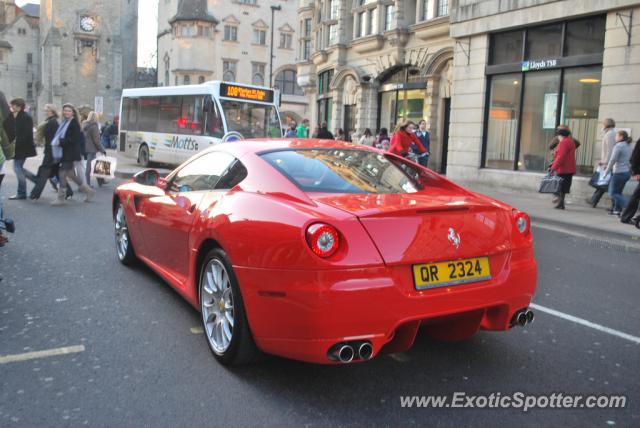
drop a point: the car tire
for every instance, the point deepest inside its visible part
(143, 156)
(124, 247)
(223, 315)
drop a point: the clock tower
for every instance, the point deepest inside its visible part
(89, 52)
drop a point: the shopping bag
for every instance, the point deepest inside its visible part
(104, 167)
(599, 179)
(550, 184)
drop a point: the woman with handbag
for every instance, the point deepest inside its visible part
(66, 149)
(93, 146)
(564, 164)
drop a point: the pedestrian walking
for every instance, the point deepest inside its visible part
(608, 142)
(619, 166)
(66, 147)
(383, 141)
(403, 138)
(25, 147)
(564, 165)
(48, 170)
(303, 129)
(367, 138)
(424, 137)
(324, 133)
(91, 132)
(634, 202)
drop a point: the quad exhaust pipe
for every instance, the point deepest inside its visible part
(347, 352)
(523, 317)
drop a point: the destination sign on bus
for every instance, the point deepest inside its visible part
(246, 93)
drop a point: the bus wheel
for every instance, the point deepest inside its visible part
(143, 155)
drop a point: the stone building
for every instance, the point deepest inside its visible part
(200, 40)
(373, 63)
(88, 52)
(19, 58)
(524, 66)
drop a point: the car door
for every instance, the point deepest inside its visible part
(169, 217)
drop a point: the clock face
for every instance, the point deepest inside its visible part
(87, 23)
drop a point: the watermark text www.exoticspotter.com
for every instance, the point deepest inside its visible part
(517, 400)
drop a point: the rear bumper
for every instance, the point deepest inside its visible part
(301, 314)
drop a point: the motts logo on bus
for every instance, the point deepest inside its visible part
(186, 143)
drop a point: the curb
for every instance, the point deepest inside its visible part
(629, 239)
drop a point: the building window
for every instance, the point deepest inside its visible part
(22, 32)
(29, 90)
(389, 17)
(259, 37)
(186, 80)
(443, 8)
(1, 56)
(231, 33)
(324, 79)
(229, 70)
(333, 34)
(285, 40)
(257, 73)
(253, 2)
(187, 31)
(29, 58)
(334, 9)
(286, 82)
(166, 77)
(201, 79)
(536, 81)
(204, 31)
(305, 39)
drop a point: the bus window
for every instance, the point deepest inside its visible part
(213, 125)
(148, 117)
(169, 114)
(190, 121)
(129, 114)
(252, 120)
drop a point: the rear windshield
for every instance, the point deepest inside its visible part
(343, 171)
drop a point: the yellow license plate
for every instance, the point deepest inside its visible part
(454, 272)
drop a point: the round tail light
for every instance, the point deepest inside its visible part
(323, 239)
(523, 223)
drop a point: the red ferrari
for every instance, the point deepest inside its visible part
(326, 252)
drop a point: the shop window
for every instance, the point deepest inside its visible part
(581, 89)
(544, 42)
(506, 47)
(539, 111)
(585, 36)
(502, 121)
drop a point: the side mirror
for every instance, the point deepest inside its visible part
(147, 177)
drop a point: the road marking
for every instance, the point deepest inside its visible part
(4, 359)
(196, 330)
(586, 323)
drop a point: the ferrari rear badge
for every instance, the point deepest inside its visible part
(454, 238)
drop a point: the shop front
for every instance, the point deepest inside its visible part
(537, 78)
(402, 97)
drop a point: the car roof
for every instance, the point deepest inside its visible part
(241, 148)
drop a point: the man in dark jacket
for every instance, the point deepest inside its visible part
(632, 206)
(24, 146)
(324, 133)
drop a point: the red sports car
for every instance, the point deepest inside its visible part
(326, 252)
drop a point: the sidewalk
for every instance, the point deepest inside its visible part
(577, 215)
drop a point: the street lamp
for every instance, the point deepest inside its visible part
(273, 10)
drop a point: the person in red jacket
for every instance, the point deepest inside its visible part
(403, 138)
(564, 164)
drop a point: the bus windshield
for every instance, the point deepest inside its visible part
(252, 120)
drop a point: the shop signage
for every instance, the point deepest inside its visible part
(542, 64)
